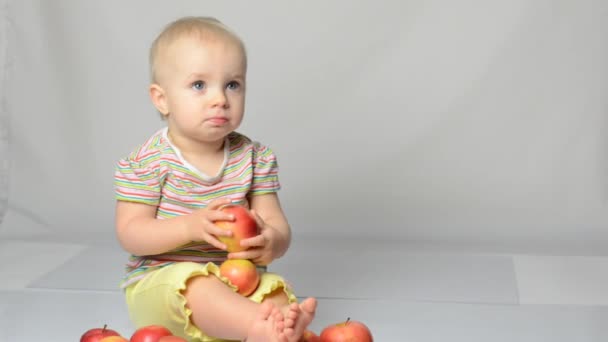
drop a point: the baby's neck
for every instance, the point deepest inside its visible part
(190, 147)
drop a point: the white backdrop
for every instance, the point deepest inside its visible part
(466, 121)
(5, 66)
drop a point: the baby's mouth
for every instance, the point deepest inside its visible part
(218, 121)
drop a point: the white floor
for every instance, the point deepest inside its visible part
(403, 292)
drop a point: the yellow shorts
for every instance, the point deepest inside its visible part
(158, 298)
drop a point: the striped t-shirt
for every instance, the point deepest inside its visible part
(156, 174)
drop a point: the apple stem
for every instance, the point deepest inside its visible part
(347, 320)
(104, 327)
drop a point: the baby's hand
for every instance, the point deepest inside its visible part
(262, 248)
(201, 226)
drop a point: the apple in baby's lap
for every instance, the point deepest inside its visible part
(242, 273)
(150, 333)
(96, 334)
(243, 227)
(347, 331)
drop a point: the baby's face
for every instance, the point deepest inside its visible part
(204, 84)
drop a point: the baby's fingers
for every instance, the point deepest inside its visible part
(212, 240)
(218, 203)
(256, 241)
(218, 215)
(217, 231)
(250, 254)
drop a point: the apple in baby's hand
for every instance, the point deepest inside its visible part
(96, 334)
(150, 333)
(347, 331)
(243, 227)
(310, 336)
(242, 274)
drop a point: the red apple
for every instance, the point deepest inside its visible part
(150, 333)
(346, 331)
(114, 339)
(242, 274)
(310, 336)
(96, 334)
(243, 227)
(172, 339)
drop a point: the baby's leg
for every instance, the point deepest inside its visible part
(225, 314)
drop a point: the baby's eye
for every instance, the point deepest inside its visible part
(234, 85)
(198, 85)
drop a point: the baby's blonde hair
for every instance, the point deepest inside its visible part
(201, 27)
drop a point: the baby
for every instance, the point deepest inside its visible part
(171, 188)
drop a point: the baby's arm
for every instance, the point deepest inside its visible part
(140, 233)
(268, 207)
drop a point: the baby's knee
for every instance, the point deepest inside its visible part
(278, 297)
(274, 288)
(204, 285)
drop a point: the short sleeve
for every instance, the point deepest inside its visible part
(134, 182)
(265, 171)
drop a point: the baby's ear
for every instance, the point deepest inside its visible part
(157, 95)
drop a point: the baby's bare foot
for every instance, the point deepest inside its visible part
(279, 320)
(298, 317)
(268, 325)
